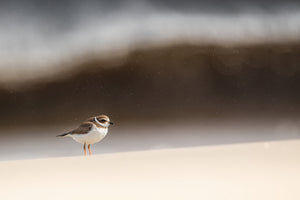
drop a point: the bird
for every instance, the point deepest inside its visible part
(91, 131)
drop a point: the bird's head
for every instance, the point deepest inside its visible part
(101, 120)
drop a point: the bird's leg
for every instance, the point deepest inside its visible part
(84, 149)
(89, 147)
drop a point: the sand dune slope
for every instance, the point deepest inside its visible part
(241, 171)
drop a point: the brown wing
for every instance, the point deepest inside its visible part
(84, 128)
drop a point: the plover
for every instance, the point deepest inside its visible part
(90, 131)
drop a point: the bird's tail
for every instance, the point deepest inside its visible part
(63, 135)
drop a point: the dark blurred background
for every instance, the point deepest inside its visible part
(148, 65)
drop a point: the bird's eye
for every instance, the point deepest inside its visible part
(102, 120)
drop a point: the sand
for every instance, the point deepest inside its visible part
(263, 170)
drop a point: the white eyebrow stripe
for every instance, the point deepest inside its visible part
(97, 121)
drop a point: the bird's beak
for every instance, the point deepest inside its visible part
(111, 123)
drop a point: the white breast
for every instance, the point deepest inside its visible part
(94, 136)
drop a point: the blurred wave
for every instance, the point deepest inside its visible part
(62, 61)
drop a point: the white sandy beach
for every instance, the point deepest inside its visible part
(263, 170)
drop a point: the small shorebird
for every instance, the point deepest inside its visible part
(89, 132)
